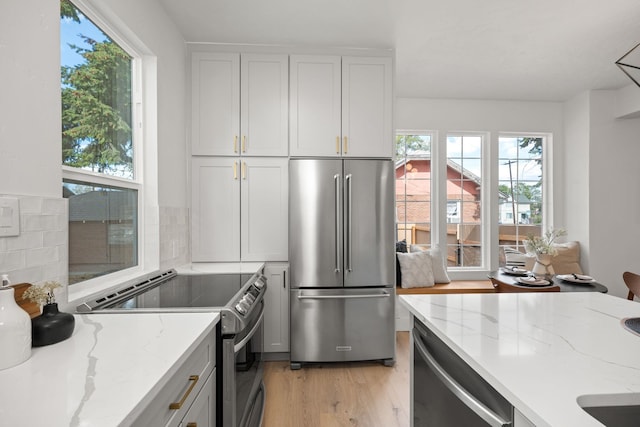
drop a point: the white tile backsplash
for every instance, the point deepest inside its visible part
(174, 237)
(39, 252)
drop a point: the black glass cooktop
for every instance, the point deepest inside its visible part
(188, 291)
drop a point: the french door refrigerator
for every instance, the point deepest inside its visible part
(342, 260)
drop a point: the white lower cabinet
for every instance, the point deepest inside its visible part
(276, 312)
(189, 394)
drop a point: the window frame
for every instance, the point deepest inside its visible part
(489, 188)
(142, 69)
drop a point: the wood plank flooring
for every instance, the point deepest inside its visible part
(359, 394)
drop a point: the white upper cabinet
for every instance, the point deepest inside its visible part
(315, 105)
(264, 105)
(367, 107)
(341, 106)
(215, 103)
(239, 104)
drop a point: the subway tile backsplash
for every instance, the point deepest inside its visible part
(174, 237)
(39, 252)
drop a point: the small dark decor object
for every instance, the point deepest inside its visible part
(51, 326)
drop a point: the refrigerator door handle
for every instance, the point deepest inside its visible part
(349, 228)
(383, 294)
(336, 179)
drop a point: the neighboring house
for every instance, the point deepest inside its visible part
(413, 207)
(519, 205)
(102, 224)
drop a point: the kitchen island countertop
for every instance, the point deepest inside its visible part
(541, 351)
(105, 374)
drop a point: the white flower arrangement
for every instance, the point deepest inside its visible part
(42, 294)
(543, 244)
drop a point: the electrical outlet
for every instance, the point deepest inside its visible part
(9, 217)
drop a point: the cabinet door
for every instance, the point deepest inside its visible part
(265, 105)
(215, 103)
(202, 411)
(215, 209)
(367, 107)
(314, 105)
(276, 313)
(264, 209)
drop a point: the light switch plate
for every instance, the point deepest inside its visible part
(9, 217)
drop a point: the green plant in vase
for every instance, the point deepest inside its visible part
(543, 249)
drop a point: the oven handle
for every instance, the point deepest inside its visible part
(467, 398)
(237, 347)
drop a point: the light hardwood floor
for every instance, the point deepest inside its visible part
(359, 394)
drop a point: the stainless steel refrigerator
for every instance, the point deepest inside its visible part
(342, 260)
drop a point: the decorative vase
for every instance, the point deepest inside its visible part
(51, 326)
(15, 331)
(543, 265)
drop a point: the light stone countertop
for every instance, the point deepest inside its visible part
(541, 350)
(220, 268)
(104, 374)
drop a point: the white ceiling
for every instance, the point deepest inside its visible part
(541, 50)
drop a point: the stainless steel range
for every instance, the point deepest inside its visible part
(239, 298)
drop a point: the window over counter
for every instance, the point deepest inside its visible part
(101, 175)
(446, 199)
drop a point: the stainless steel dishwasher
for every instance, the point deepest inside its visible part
(448, 392)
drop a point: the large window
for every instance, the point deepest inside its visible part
(98, 148)
(520, 189)
(413, 188)
(464, 192)
(453, 188)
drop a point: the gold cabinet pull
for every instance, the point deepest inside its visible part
(244, 170)
(337, 145)
(344, 146)
(235, 170)
(192, 424)
(235, 144)
(244, 143)
(177, 405)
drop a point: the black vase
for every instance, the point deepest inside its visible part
(51, 326)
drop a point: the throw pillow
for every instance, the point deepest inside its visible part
(567, 260)
(417, 269)
(437, 260)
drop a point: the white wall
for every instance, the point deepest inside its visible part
(30, 152)
(610, 186)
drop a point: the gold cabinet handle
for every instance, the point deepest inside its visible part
(177, 405)
(235, 170)
(235, 144)
(344, 146)
(337, 145)
(244, 143)
(192, 424)
(244, 170)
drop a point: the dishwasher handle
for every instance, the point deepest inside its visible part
(493, 419)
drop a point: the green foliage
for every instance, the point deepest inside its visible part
(408, 145)
(96, 106)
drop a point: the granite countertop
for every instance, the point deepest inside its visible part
(105, 374)
(541, 350)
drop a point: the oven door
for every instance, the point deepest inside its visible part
(243, 390)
